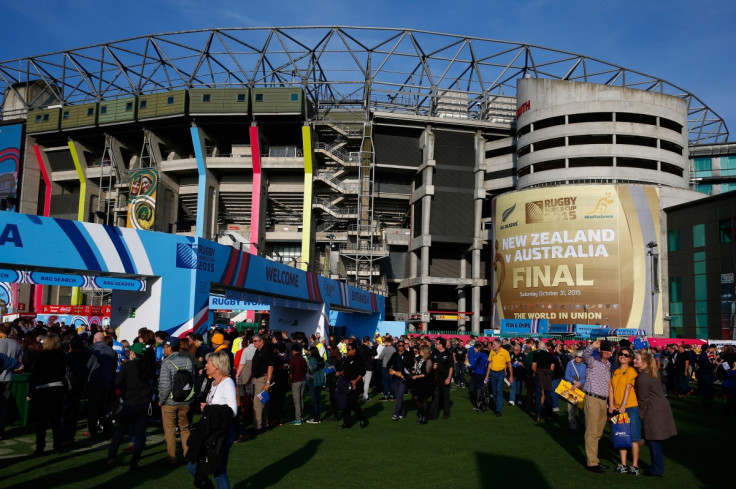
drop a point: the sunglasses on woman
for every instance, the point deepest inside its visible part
(625, 355)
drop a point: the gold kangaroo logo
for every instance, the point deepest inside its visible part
(601, 207)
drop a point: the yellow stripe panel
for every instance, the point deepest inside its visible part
(82, 180)
(307, 206)
(76, 291)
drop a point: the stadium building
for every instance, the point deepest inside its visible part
(469, 180)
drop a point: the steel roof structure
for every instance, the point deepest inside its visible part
(369, 69)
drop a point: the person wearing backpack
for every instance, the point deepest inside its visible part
(174, 398)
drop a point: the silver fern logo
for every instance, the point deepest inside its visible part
(505, 215)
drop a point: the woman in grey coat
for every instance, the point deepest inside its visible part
(654, 410)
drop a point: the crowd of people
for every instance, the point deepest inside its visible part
(239, 382)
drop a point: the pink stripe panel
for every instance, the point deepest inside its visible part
(255, 216)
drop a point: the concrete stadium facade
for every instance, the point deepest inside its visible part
(381, 174)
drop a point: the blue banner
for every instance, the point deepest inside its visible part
(561, 328)
(45, 278)
(524, 326)
(233, 304)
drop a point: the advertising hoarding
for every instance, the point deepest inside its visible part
(578, 254)
(142, 198)
(10, 139)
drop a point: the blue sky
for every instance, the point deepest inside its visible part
(688, 43)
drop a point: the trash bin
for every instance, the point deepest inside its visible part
(18, 413)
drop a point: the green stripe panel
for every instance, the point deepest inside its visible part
(43, 120)
(277, 100)
(164, 104)
(234, 101)
(84, 115)
(120, 110)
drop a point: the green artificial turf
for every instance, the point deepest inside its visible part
(468, 450)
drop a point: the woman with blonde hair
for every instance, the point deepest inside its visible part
(422, 383)
(654, 410)
(622, 399)
(46, 391)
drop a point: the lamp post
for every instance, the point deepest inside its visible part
(654, 274)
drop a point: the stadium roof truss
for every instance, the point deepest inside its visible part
(379, 69)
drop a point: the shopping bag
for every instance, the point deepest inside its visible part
(621, 429)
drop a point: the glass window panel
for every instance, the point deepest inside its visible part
(673, 240)
(701, 321)
(701, 287)
(676, 308)
(675, 289)
(698, 235)
(725, 228)
(704, 189)
(702, 165)
(699, 256)
(699, 267)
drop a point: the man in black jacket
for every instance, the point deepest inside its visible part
(367, 353)
(353, 371)
(400, 366)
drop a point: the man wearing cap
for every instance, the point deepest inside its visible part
(597, 381)
(171, 410)
(262, 375)
(218, 343)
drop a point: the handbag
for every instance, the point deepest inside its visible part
(71, 382)
(621, 430)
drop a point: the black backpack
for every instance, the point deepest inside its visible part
(182, 388)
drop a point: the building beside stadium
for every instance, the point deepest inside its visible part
(468, 180)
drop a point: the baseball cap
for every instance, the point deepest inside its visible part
(172, 341)
(138, 348)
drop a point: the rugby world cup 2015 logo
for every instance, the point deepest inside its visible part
(534, 211)
(186, 256)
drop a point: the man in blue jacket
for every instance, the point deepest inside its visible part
(575, 374)
(100, 384)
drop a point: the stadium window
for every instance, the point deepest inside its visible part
(38, 118)
(549, 143)
(674, 243)
(170, 101)
(524, 130)
(636, 118)
(671, 125)
(143, 104)
(103, 109)
(294, 97)
(670, 146)
(698, 235)
(90, 112)
(205, 97)
(725, 227)
(128, 106)
(550, 122)
(241, 97)
(65, 115)
(590, 117)
(45, 117)
(669, 168)
(259, 97)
